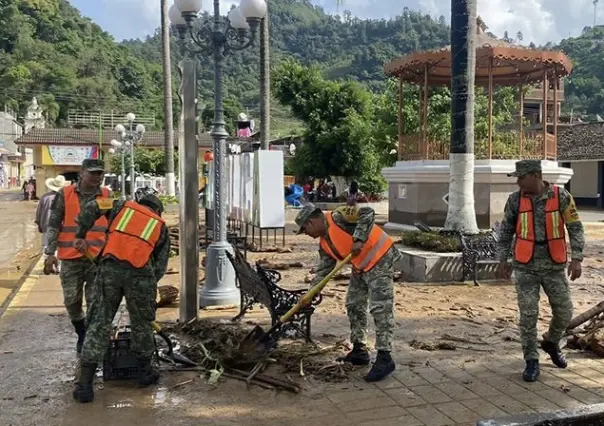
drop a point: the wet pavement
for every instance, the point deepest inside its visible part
(19, 240)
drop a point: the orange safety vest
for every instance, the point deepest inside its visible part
(376, 246)
(133, 234)
(95, 237)
(554, 230)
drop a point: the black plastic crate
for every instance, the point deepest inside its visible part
(120, 363)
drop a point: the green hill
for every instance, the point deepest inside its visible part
(48, 50)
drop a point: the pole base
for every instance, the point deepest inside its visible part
(219, 288)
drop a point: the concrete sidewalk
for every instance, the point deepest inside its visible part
(37, 360)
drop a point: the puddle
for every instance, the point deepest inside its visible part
(120, 404)
(162, 396)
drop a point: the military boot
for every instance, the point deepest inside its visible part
(84, 391)
(80, 329)
(531, 372)
(554, 353)
(359, 355)
(147, 375)
(382, 367)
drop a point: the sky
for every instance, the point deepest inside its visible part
(539, 21)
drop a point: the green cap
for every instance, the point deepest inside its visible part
(304, 214)
(152, 201)
(93, 165)
(526, 167)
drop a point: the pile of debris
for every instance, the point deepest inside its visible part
(586, 331)
(214, 346)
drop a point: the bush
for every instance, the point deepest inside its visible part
(168, 199)
(431, 241)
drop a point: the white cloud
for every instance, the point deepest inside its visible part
(539, 20)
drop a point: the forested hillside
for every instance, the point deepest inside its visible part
(47, 49)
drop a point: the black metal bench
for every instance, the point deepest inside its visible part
(259, 286)
(479, 250)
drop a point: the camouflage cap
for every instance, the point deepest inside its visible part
(93, 165)
(304, 214)
(526, 167)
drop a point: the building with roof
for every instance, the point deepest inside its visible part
(62, 150)
(581, 148)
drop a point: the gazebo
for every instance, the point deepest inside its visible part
(423, 162)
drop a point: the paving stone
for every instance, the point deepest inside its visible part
(456, 373)
(457, 412)
(389, 382)
(536, 402)
(430, 374)
(354, 395)
(479, 387)
(377, 414)
(405, 397)
(509, 404)
(456, 391)
(484, 408)
(367, 404)
(531, 386)
(430, 416)
(559, 398)
(430, 394)
(584, 395)
(504, 385)
(409, 378)
(408, 420)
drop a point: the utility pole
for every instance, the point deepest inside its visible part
(168, 113)
(595, 10)
(265, 84)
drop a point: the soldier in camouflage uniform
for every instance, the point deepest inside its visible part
(540, 259)
(77, 275)
(371, 288)
(131, 272)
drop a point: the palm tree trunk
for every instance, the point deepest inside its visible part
(168, 113)
(461, 215)
(265, 81)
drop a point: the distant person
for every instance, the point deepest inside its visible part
(29, 188)
(44, 206)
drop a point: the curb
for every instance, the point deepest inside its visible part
(33, 271)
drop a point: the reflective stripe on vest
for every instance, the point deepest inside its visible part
(524, 248)
(95, 236)
(377, 245)
(133, 234)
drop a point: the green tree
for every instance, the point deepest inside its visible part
(146, 161)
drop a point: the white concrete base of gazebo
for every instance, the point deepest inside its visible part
(417, 190)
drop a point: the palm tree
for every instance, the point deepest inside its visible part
(168, 113)
(461, 215)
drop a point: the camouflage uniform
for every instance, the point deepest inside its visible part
(117, 279)
(74, 272)
(373, 289)
(541, 271)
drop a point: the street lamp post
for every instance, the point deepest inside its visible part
(118, 147)
(237, 32)
(129, 138)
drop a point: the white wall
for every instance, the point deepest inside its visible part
(584, 183)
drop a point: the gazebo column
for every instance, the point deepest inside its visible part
(400, 117)
(521, 119)
(545, 89)
(490, 112)
(425, 149)
(555, 147)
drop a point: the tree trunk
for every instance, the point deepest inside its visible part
(461, 215)
(265, 81)
(168, 113)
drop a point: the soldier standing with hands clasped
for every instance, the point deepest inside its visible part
(537, 214)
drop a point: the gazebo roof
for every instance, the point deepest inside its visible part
(511, 64)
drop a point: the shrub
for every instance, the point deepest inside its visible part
(431, 241)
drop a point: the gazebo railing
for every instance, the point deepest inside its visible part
(506, 146)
